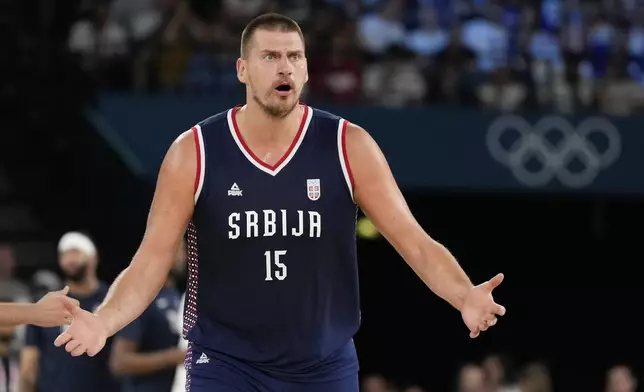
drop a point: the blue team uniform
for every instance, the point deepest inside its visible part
(60, 372)
(273, 297)
(156, 329)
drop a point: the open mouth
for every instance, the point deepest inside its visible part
(284, 88)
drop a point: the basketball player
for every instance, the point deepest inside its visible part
(268, 193)
(45, 368)
(52, 310)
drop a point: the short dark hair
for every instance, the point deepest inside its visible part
(271, 22)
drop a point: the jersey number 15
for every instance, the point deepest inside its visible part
(273, 258)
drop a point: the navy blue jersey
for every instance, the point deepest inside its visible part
(60, 372)
(273, 276)
(156, 329)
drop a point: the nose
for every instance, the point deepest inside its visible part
(285, 68)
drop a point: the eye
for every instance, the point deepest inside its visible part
(269, 57)
(295, 57)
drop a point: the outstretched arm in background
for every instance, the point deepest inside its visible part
(138, 285)
(52, 310)
(378, 195)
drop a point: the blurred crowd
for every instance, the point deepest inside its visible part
(563, 55)
(497, 374)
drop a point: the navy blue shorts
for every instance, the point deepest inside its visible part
(210, 374)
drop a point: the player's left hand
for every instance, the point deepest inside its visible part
(86, 334)
(479, 310)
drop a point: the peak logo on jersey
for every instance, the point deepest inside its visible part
(313, 189)
(203, 359)
(234, 190)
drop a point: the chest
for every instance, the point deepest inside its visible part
(306, 176)
(289, 206)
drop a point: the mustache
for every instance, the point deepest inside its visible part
(76, 274)
(284, 82)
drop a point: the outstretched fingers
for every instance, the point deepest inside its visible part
(72, 345)
(78, 351)
(493, 283)
(498, 310)
(63, 338)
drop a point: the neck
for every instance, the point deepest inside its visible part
(256, 125)
(87, 286)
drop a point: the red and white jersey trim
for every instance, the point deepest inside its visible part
(344, 158)
(286, 158)
(201, 161)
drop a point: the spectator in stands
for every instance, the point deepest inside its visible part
(620, 378)
(395, 81)
(10, 287)
(573, 42)
(244, 10)
(375, 383)
(547, 61)
(635, 47)
(499, 373)
(429, 39)
(471, 378)
(163, 59)
(619, 94)
(502, 92)
(448, 72)
(9, 374)
(379, 31)
(488, 38)
(535, 377)
(46, 368)
(145, 353)
(140, 18)
(602, 38)
(413, 388)
(102, 46)
(337, 77)
(44, 281)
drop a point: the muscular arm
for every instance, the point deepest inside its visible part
(125, 360)
(171, 210)
(377, 194)
(29, 357)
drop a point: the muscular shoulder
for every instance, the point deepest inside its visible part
(358, 139)
(182, 152)
(180, 161)
(366, 161)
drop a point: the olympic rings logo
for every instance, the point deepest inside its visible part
(554, 158)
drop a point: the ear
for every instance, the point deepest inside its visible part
(241, 70)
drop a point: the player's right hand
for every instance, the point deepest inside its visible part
(86, 334)
(54, 309)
